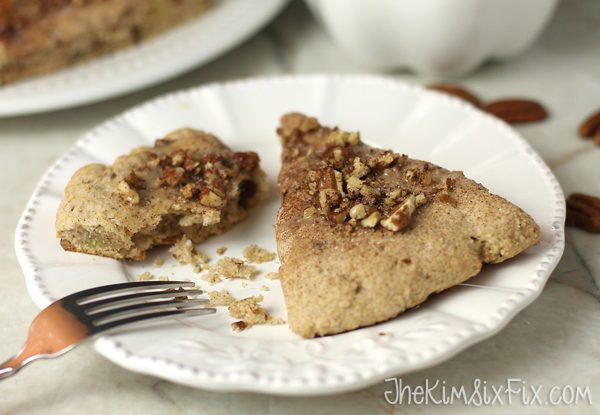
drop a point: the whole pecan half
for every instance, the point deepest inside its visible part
(583, 211)
(457, 91)
(516, 110)
(590, 126)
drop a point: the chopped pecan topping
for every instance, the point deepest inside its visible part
(310, 211)
(401, 216)
(314, 175)
(338, 217)
(328, 180)
(372, 220)
(212, 161)
(353, 186)
(367, 191)
(360, 169)
(342, 138)
(161, 142)
(178, 158)
(425, 178)
(165, 161)
(210, 199)
(309, 124)
(386, 159)
(134, 181)
(339, 182)
(358, 211)
(127, 193)
(448, 183)
(329, 198)
(153, 162)
(248, 160)
(190, 190)
(173, 175)
(337, 155)
(190, 165)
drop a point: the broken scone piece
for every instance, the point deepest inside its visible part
(250, 313)
(364, 234)
(188, 185)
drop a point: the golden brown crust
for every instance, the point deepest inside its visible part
(423, 229)
(188, 184)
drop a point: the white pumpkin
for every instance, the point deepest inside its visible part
(435, 37)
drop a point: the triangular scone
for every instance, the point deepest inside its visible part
(188, 184)
(364, 234)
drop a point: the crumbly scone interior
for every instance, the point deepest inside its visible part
(364, 233)
(188, 184)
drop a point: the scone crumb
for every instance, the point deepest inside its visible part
(211, 277)
(264, 288)
(222, 297)
(144, 276)
(221, 250)
(239, 326)
(163, 278)
(250, 313)
(233, 268)
(158, 262)
(255, 254)
(197, 269)
(185, 253)
(272, 321)
(244, 284)
(272, 275)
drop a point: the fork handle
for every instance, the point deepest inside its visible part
(6, 372)
(25, 356)
(12, 365)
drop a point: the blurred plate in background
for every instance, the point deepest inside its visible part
(228, 24)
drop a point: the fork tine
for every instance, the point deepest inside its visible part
(115, 289)
(125, 300)
(157, 316)
(123, 312)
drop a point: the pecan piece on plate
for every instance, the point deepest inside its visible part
(457, 91)
(516, 110)
(590, 125)
(583, 211)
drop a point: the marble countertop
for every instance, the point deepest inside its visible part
(552, 343)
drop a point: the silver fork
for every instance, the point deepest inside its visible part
(83, 315)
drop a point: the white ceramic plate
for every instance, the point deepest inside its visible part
(228, 24)
(203, 351)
